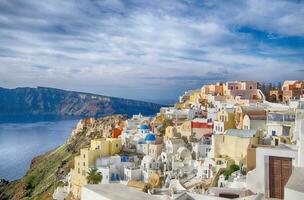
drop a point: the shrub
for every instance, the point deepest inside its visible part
(31, 182)
(231, 169)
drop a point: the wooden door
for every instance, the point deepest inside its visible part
(279, 172)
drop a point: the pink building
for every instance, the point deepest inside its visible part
(244, 89)
(155, 150)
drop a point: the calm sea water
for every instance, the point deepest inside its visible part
(20, 142)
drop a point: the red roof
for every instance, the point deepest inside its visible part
(201, 125)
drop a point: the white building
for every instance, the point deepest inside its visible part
(132, 173)
(173, 144)
(148, 166)
(200, 150)
(112, 168)
(281, 124)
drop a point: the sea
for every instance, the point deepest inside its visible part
(21, 142)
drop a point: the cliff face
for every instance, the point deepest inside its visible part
(48, 169)
(88, 129)
(44, 101)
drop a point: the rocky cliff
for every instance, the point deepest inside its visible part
(50, 102)
(48, 169)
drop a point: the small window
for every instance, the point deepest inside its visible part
(231, 88)
(237, 87)
(83, 155)
(273, 133)
(276, 142)
(116, 145)
(83, 163)
(250, 87)
(78, 171)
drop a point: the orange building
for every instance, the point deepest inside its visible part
(116, 132)
(292, 89)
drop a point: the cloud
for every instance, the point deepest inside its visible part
(142, 49)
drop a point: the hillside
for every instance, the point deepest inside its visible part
(48, 169)
(42, 102)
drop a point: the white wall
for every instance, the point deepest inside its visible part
(300, 136)
(293, 194)
(278, 128)
(105, 171)
(132, 174)
(87, 194)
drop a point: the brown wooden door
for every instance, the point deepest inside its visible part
(279, 172)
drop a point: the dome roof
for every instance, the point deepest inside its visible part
(144, 127)
(150, 137)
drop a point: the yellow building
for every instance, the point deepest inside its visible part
(171, 132)
(186, 129)
(224, 121)
(160, 118)
(115, 146)
(180, 105)
(236, 144)
(194, 97)
(87, 158)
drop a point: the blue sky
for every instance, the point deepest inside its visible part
(148, 49)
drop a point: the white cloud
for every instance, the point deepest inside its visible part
(101, 46)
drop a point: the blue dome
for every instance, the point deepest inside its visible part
(144, 127)
(150, 137)
(141, 141)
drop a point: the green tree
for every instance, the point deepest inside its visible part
(231, 169)
(94, 176)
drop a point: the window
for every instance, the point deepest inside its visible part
(231, 87)
(237, 87)
(219, 162)
(250, 87)
(286, 130)
(78, 171)
(273, 133)
(83, 155)
(83, 163)
(276, 142)
(116, 145)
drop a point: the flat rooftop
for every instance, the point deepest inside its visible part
(117, 191)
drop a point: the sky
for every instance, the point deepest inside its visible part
(148, 50)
